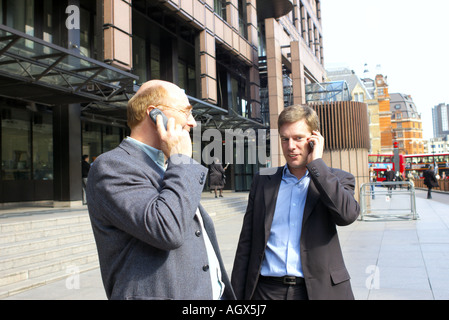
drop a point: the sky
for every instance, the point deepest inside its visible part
(405, 40)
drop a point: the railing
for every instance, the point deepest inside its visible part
(376, 200)
(443, 184)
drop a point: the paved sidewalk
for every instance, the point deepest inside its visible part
(401, 260)
(387, 260)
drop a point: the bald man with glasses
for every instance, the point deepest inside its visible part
(154, 239)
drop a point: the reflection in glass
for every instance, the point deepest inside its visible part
(16, 146)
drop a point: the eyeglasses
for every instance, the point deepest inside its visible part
(187, 113)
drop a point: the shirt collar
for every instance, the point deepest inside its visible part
(156, 155)
(288, 177)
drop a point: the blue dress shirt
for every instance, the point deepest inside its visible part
(156, 155)
(282, 254)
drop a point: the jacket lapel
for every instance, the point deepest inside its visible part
(270, 192)
(312, 198)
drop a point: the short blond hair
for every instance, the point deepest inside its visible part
(299, 112)
(151, 93)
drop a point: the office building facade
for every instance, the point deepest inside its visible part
(68, 68)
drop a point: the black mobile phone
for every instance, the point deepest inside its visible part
(155, 112)
(311, 144)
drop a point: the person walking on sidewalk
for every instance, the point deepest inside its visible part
(154, 239)
(430, 181)
(217, 177)
(85, 167)
(288, 247)
(389, 177)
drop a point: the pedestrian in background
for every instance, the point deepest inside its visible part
(217, 177)
(389, 177)
(372, 180)
(85, 167)
(430, 181)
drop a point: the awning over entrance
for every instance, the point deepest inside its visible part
(37, 71)
(210, 116)
(214, 117)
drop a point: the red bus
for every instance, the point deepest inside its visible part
(380, 162)
(416, 164)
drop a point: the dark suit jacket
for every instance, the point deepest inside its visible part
(430, 180)
(330, 202)
(390, 175)
(148, 237)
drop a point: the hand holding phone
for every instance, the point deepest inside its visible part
(153, 115)
(316, 144)
(175, 140)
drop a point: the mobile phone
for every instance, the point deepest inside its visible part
(155, 112)
(311, 144)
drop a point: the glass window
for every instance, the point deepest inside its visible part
(182, 75)
(20, 16)
(445, 123)
(91, 139)
(242, 19)
(98, 138)
(16, 144)
(47, 26)
(85, 33)
(111, 138)
(220, 8)
(1, 11)
(140, 58)
(361, 97)
(42, 147)
(155, 62)
(385, 159)
(191, 80)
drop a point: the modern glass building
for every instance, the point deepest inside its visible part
(68, 68)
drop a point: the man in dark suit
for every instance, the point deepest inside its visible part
(430, 181)
(288, 247)
(389, 177)
(154, 239)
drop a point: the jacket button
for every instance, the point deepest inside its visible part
(206, 267)
(198, 233)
